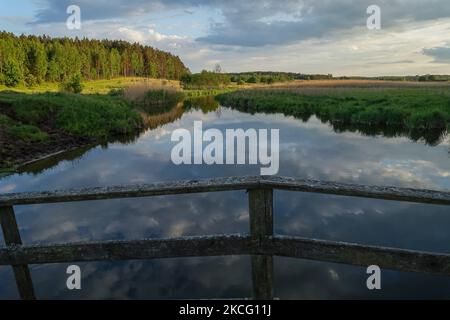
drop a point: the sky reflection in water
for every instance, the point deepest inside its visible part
(307, 150)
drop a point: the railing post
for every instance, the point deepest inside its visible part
(261, 226)
(12, 237)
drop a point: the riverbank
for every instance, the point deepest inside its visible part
(36, 123)
(403, 105)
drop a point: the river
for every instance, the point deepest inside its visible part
(308, 149)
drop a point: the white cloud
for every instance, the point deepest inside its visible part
(150, 36)
(293, 35)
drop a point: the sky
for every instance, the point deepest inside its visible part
(306, 36)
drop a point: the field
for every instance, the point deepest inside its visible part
(95, 86)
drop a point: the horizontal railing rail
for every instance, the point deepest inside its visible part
(261, 244)
(227, 184)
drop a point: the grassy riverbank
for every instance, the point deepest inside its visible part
(405, 107)
(33, 125)
(35, 122)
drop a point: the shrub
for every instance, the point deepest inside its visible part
(252, 79)
(205, 79)
(73, 85)
(12, 73)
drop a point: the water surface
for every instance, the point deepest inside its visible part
(310, 149)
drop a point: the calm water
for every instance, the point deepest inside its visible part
(309, 149)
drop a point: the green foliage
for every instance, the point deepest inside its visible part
(252, 79)
(27, 133)
(38, 59)
(19, 131)
(205, 79)
(96, 116)
(419, 108)
(73, 85)
(35, 110)
(31, 81)
(12, 74)
(5, 120)
(263, 77)
(84, 115)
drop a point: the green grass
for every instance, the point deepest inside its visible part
(17, 130)
(83, 115)
(411, 108)
(100, 111)
(27, 133)
(91, 86)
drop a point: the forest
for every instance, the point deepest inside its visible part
(273, 77)
(31, 60)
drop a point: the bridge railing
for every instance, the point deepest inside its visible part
(261, 244)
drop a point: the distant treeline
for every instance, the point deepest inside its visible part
(419, 78)
(272, 77)
(31, 60)
(205, 79)
(215, 79)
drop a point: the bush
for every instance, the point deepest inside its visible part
(252, 79)
(12, 73)
(205, 79)
(73, 85)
